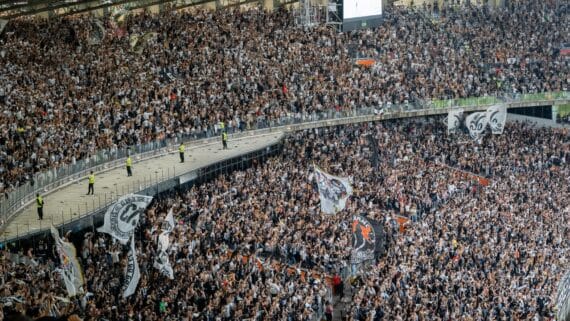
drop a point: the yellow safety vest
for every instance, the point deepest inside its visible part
(222, 125)
(92, 179)
(224, 136)
(181, 148)
(40, 201)
(129, 161)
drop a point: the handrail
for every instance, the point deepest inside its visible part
(114, 157)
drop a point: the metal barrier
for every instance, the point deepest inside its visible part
(112, 158)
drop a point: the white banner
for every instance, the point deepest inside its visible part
(333, 191)
(497, 116)
(454, 120)
(132, 273)
(122, 217)
(170, 221)
(70, 270)
(476, 123)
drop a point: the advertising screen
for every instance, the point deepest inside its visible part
(361, 8)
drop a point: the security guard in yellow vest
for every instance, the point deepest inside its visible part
(129, 164)
(40, 203)
(91, 189)
(181, 152)
(225, 140)
(222, 126)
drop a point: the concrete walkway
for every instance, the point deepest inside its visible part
(71, 202)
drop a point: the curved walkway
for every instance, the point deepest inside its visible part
(71, 202)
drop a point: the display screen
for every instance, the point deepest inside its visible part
(361, 8)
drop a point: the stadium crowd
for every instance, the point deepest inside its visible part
(64, 97)
(469, 252)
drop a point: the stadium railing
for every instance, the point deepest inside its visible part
(106, 159)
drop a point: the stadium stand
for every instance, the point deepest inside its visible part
(254, 244)
(246, 68)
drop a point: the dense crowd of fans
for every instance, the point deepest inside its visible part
(64, 97)
(469, 252)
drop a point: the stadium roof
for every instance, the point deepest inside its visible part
(12, 9)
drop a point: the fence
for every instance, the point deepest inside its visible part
(114, 157)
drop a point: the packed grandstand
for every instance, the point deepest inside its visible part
(471, 229)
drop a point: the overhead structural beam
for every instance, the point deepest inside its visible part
(40, 6)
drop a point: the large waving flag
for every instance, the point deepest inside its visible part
(333, 191)
(476, 124)
(132, 272)
(70, 270)
(454, 118)
(367, 239)
(497, 116)
(161, 262)
(122, 217)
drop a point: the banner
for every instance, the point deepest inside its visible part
(71, 272)
(333, 191)
(454, 121)
(476, 123)
(497, 116)
(122, 217)
(366, 239)
(563, 298)
(132, 273)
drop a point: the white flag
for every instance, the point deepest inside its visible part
(563, 298)
(67, 281)
(132, 273)
(70, 270)
(161, 262)
(476, 123)
(163, 242)
(454, 120)
(122, 217)
(497, 116)
(333, 191)
(170, 221)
